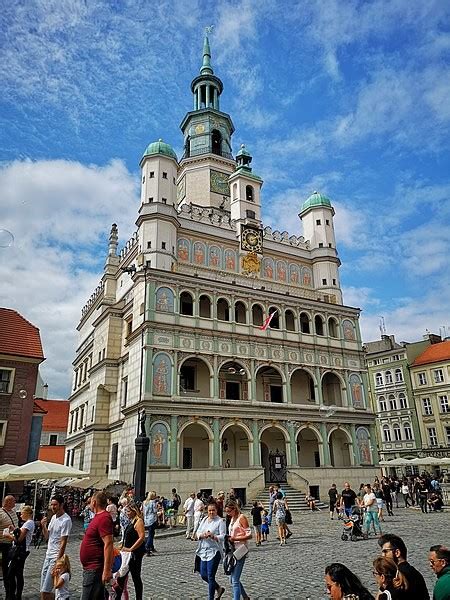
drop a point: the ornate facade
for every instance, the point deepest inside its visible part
(179, 326)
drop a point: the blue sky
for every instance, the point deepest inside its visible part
(349, 98)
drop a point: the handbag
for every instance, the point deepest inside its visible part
(240, 551)
(181, 520)
(197, 564)
(288, 517)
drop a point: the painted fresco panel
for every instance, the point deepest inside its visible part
(159, 444)
(357, 391)
(306, 277)
(162, 375)
(199, 253)
(281, 270)
(363, 442)
(230, 260)
(349, 330)
(183, 249)
(268, 268)
(294, 274)
(165, 300)
(215, 257)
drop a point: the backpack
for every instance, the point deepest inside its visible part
(176, 501)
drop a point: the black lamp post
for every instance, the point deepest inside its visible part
(141, 444)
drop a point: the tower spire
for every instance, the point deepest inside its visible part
(206, 65)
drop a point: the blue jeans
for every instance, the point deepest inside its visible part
(151, 536)
(208, 570)
(235, 578)
(371, 517)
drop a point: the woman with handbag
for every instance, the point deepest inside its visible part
(18, 554)
(133, 542)
(279, 508)
(239, 534)
(210, 534)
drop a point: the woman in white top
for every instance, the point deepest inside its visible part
(211, 533)
(22, 540)
(239, 532)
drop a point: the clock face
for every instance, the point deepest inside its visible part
(251, 239)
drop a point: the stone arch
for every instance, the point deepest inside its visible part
(195, 449)
(223, 309)
(333, 327)
(233, 380)
(309, 446)
(257, 314)
(273, 438)
(234, 448)
(340, 446)
(240, 312)
(270, 384)
(302, 384)
(194, 377)
(305, 322)
(186, 304)
(333, 389)
(275, 322)
(205, 303)
(289, 319)
(319, 324)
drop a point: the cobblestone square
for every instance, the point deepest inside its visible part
(291, 572)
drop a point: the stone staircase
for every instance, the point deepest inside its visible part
(296, 500)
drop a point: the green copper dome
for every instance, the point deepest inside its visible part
(160, 147)
(316, 199)
(243, 151)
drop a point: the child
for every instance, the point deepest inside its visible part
(256, 513)
(264, 526)
(61, 577)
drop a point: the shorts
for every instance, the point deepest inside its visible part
(280, 520)
(257, 528)
(46, 575)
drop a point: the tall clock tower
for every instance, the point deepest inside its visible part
(207, 161)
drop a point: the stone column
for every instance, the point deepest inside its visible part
(354, 459)
(173, 441)
(325, 447)
(318, 387)
(293, 444)
(252, 381)
(216, 443)
(216, 99)
(287, 384)
(256, 444)
(207, 96)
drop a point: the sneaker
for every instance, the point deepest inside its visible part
(288, 535)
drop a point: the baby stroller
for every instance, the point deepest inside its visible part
(353, 526)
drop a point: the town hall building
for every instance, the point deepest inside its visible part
(232, 336)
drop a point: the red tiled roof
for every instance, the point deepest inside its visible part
(37, 409)
(434, 353)
(57, 415)
(18, 336)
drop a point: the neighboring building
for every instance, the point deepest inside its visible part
(20, 356)
(392, 399)
(35, 432)
(54, 429)
(175, 327)
(430, 374)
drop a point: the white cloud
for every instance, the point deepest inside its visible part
(60, 214)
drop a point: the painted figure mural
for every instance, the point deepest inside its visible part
(356, 391)
(306, 277)
(268, 268)
(230, 260)
(349, 330)
(363, 442)
(159, 444)
(293, 274)
(214, 256)
(183, 249)
(199, 253)
(281, 270)
(164, 299)
(162, 375)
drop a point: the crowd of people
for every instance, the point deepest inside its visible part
(119, 532)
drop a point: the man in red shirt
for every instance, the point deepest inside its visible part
(96, 550)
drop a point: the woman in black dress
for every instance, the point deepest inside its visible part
(133, 541)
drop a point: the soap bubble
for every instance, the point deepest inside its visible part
(23, 394)
(6, 238)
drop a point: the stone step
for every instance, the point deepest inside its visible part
(295, 498)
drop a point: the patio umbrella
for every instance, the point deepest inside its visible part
(426, 460)
(85, 483)
(396, 462)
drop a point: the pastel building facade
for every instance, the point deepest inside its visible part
(176, 326)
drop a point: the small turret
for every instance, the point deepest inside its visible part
(113, 240)
(245, 189)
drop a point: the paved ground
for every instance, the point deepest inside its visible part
(291, 572)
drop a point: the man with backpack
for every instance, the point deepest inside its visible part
(175, 505)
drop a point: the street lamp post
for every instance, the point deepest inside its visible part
(141, 444)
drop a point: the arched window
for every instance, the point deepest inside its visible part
(223, 310)
(386, 433)
(402, 400)
(332, 327)
(240, 312)
(205, 307)
(235, 191)
(186, 304)
(392, 402)
(290, 320)
(398, 375)
(378, 379)
(187, 145)
(388, 377)
(318, 325)
(397, 432)
(304, 323)
(275, 321)
(249, 193)
(407, 431)
(257, 315)
(216, 142)
(382, 403)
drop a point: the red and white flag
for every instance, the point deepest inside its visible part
(266, 323)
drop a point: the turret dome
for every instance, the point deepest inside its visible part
(160, 147)
(316, 199)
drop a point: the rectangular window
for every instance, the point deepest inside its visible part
(163, 245)
(164, 175)
(164, 200)
(427, 408)
(187, 379)
(129, 326)
(422, 378)
(438, 376)
(149, 245)
(334, 281)
(320, 244)
(151, 174)
(432, 437)
(124, 391)
(324, 282)
(150, 199)
(3, 425)
(53, 441)
(250, 214)
(114, 455)
(327, 221)
(318, 222)
(447, 433)
(6, 381)
(276, 393)
(443, 401)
